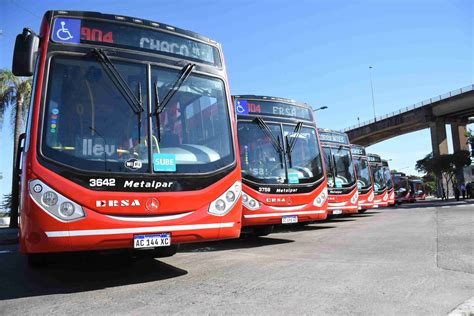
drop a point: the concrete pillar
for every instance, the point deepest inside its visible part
(459, 137)
(458, 132)
(439, 144)
(439, 141)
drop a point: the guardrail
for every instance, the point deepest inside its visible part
(414, 106)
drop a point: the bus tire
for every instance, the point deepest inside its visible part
(362, 211)
(261, 231)
(163, 252)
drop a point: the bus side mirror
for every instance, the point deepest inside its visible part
(24, 56)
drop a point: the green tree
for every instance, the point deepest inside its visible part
(445, 167)
(14, 95)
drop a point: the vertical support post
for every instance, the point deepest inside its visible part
(439, 144)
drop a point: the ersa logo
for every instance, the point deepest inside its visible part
(116, 203)
(133, 164)
(282, 200)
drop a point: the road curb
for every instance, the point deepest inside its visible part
(465, 309)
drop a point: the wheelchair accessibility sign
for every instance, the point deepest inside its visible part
(242, 107)
(67, 31)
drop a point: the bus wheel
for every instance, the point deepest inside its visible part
(362, 211)
(263, 230)
(163, 252)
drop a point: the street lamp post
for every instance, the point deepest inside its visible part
(320, 108)
(372, 88)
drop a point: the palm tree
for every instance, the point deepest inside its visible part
(14, 94)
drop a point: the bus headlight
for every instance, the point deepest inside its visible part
(321, 198)
(54, 203)
(250, 202)
(224, 203)
(354, 198)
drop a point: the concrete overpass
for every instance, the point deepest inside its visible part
(452, 108)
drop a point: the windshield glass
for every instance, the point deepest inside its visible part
(304, 162)
(388, 178)
(261, 161)
(88, 124)
(194, 126)
(364, 179)
(379, 180)
(339, 167)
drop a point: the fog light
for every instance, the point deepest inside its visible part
(220, 205)
(66, 209)
(50, 198)
(230, 196)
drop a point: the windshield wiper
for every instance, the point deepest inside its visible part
(135, 103)
(296, 134)
(264, 127)
(160, 106)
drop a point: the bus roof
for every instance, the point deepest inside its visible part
(130, 20)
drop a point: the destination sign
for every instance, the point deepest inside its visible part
(358, 151)
(374, 158)
(116, 34)
(245, 107)
(333, 137)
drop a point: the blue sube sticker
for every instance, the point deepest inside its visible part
(338, 183)
(242, 107)
(67, 31)
(293, 178)
(164, 162)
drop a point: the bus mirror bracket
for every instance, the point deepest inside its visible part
(24, 55)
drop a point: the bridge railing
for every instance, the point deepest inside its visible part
(413, 106)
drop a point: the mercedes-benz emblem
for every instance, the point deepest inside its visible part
(152, 204)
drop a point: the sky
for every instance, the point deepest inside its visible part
(318, 52)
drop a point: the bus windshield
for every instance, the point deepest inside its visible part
(379, 180)
(388, 178)
(364, 179)
(89, 125)
(262, 162)
(339, 167)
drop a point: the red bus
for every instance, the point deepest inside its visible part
(282, 168)
(380, 185)
(418, 189)
(365, 183)
(388, 182)
(121, 149)
(402, 188)
(340, 172)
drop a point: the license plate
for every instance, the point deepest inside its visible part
(336, 212)
(289, 219)
(376, 206)
(152, 240)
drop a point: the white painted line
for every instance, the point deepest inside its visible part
(117, 231)
(283, 214)
(148, 219)
(465, 309)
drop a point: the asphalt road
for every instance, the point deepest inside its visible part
(416, 259)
